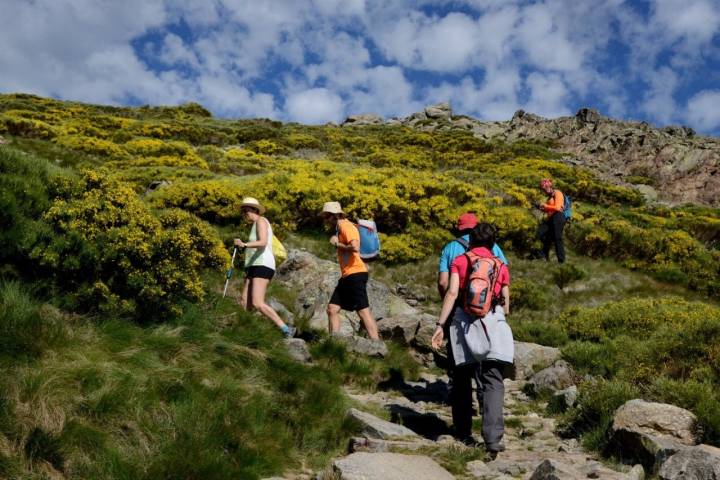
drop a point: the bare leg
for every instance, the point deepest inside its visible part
(259, 287)
(243, 301)
(333, 312)
(369, 322)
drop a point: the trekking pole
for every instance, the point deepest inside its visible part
(230, 271)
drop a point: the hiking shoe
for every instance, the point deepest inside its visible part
(495, 449)
(291, 331)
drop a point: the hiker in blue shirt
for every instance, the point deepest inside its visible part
(453, 249)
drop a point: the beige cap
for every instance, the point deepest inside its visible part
(332, 207)
(252, 202)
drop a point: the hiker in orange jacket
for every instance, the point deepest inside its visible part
(551, 229)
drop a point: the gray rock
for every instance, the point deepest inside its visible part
(550, 469)
(364, 346)
(696, 463)
(559, 376)
(588, 115)
(363, 119)
(157, 185)
(652, 432)
(563, 399)
(389, 466)
(440, 110)
(531, 357)
(316, 279)
(374, 427)
(401, 328)
(365, 444)
(478, 469)
(2, 140)
(636, 473)
(298, 350)
(506, 467)
(281, 310)
(424, 333)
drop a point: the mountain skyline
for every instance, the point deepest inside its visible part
(318, 61)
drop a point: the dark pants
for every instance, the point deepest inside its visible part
(551, 231)
(491, 396)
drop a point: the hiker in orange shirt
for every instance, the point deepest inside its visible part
(551, 229)
(351, 290)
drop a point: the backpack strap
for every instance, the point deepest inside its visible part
(463, 242)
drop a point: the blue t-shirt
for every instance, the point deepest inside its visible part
(455, 248)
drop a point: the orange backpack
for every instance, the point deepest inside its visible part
(483, 273)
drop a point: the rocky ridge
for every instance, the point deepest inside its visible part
(670, 164)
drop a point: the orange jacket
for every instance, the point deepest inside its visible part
(554, 204)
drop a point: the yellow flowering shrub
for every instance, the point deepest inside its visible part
(190, 159)
(153, 147)
(91, 145)
(212, 200)
(108, 252)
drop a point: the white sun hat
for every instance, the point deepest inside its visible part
(252, 202)
(332, 207)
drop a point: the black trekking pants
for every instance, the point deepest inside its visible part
(551, 232)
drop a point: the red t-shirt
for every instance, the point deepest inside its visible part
(460, 266)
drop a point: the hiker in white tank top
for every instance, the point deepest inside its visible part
(260, 256)
(259, 264)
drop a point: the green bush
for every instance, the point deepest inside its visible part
(567, 273)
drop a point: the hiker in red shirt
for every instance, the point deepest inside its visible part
(551, 229)
(465, 364)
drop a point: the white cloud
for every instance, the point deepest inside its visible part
(317, 105)
(659, 101)
(548, 95)
(703, 112)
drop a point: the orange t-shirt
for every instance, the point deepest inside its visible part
(350, 262)
(554, 204)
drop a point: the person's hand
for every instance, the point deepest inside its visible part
(437, 338)
(239, 243)
(334, 240)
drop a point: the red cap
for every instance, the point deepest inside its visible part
(467, 220)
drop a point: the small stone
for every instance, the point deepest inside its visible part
(298, 350)
(551, 469)
(636, 473)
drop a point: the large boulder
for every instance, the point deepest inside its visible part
(389, 466)
(374, 427)
(696, 463)
(364, 346)
(559, 376)
(440, 110)
(531, 357)
(652, 432)
(315, 279)
(401, 328)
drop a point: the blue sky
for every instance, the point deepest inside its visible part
(320, 60)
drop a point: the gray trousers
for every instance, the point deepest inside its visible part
(491, 393)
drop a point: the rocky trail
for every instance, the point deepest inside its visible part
(405, 424)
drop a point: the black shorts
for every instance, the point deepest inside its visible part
(259, 272)
(351, 292)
